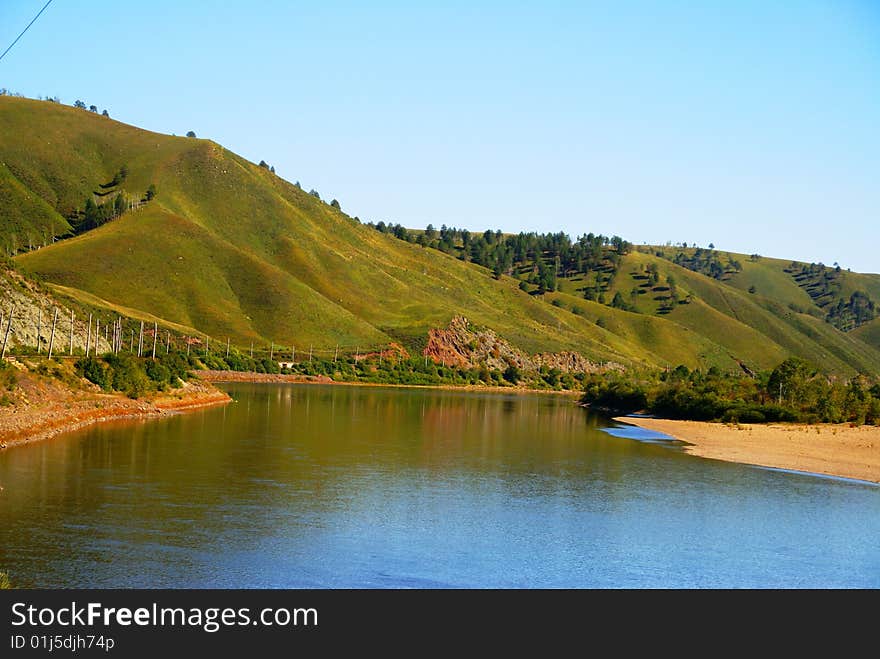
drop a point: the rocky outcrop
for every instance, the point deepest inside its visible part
(462, 345)
(33, 309)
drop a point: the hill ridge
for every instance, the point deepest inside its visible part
(231, 249)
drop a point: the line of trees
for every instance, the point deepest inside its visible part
(82, 106)
(96, 212)
(541, 257)
(705, 261)
(794, 391)
(824, 286)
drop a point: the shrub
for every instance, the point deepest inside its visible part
(128, 375)
(93, 370)
(158, 373)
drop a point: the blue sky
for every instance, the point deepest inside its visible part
(753, 125)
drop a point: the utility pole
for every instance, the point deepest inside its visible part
(227, 347)
(70, 348)
(167, 342)
(271, 350)
(141, 340)
(155, 337)
(89, 336)
(97, 334)
(310, 353)
(335, 353)
(8, 329)
(39, 328)
(52, 335)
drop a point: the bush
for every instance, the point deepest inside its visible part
(128, 374)
(620, 395)
(178, 365)
(93, 370)
(159, 373)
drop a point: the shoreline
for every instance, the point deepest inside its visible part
(20, 427)
(837, 450)
(220, 377)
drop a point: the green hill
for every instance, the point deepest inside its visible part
(869, 333)
(230, 249)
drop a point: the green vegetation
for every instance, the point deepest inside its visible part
(388, 368)
(793, 391)
(825, 286)
(232, 250)
(5, 583)
(840, 297)
(869, 333)
(539, 259)
(135, 376)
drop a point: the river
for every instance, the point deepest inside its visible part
(301, 486)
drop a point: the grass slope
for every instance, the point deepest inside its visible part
(869, 333)
(230, 249)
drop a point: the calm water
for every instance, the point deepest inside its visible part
(309, 486)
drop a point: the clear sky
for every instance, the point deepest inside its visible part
(753, 125)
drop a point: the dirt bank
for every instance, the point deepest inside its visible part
(56, 409)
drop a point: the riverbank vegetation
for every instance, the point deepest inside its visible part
(794, 391)
(390, 368)
(136, 377)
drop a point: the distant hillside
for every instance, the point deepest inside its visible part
(870, 333)
(230, 249)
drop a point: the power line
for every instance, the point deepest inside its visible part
(25, 30)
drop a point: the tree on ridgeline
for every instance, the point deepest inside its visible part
(190, 133)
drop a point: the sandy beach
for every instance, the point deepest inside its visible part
(835, 450)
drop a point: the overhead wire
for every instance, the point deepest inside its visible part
(26, 29)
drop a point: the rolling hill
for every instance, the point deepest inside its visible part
(869, 333)
(231, 249)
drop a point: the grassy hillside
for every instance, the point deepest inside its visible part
(230, 249)
(756, 329)
(869, 333)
